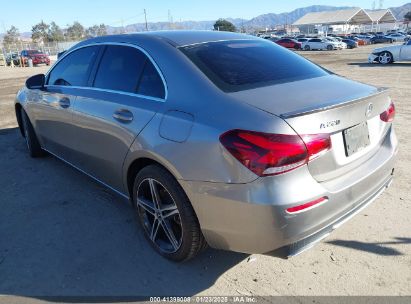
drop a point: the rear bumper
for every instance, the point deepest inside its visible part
(251, 217)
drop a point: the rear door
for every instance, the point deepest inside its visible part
(53, 111)
(123, 97)
(405, 53)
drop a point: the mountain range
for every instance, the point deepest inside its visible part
(259, 22)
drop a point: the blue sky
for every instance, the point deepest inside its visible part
(112, 12)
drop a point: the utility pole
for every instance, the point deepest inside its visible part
(145, 18)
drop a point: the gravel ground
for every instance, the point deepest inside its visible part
(63, 234)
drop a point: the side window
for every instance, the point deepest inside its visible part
(120, 69)
(151, 83)
(74, 69)
(127, 69)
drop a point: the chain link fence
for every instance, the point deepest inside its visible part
(51, 48)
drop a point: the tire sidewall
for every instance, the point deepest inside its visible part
(170, 183)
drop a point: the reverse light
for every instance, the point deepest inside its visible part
(389, 114)
(271, 154)
(307, 206)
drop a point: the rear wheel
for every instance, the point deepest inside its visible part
(166, 215)
(385, 58)
(32, 142)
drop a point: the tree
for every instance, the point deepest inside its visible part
(55, 33)
(39, 32)
(76, 31)
(97, 30)
(12, 36)
(224, 25)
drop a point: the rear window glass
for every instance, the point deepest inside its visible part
(238, 65)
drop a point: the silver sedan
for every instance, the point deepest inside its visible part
(215, 138)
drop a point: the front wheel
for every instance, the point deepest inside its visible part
(166, 215)
(307, 48)
(385, 58)
(329, 47)
(32, 142)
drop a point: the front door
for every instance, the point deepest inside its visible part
(53, 111)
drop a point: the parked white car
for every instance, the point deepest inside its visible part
(319, 44)
(396, 37)
(390, 54)
(340, 45)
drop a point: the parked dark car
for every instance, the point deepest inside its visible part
(289, 43)
(351, 44)
(37, 56)
(13, 57)
(380, 39)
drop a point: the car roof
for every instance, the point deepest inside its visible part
(176, 38)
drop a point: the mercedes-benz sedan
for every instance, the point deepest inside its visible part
(216, 138)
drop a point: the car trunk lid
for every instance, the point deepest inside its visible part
(349, 111)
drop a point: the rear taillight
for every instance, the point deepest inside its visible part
(389, 114)
(270, 154)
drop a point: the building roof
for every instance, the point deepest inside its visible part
(354, 15)
(381, 16)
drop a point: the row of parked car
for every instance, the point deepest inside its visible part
(307, 44)
(333, 42)
(22, 59)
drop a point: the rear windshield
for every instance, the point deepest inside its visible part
(238, 65)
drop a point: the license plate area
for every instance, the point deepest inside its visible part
(356, 138)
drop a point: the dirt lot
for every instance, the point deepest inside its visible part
(63, 234)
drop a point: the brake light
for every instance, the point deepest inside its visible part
(389, 114)
(271, 154)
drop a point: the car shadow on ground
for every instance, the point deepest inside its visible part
(376, 248)
(372, 65)
(62, 234)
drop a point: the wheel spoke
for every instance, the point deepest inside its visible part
(154, 193)
(170, 234)
(143, 204)
(154, 229)
(169, 211)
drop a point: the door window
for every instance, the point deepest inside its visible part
(128, 69)
(74, 69)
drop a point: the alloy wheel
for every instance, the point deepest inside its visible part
(385, 58)
(159, 215)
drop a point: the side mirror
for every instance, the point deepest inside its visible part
(36, 82)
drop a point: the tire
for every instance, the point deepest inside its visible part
(330, 47)
(175, 232)
(307, 48)
(32, 142)
(385, 58)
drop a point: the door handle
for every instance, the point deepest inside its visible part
(64, 102)
(123, 115)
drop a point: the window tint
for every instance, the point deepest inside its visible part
(244, 64)
(74, 69)
(151, 83)
(120, 69)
